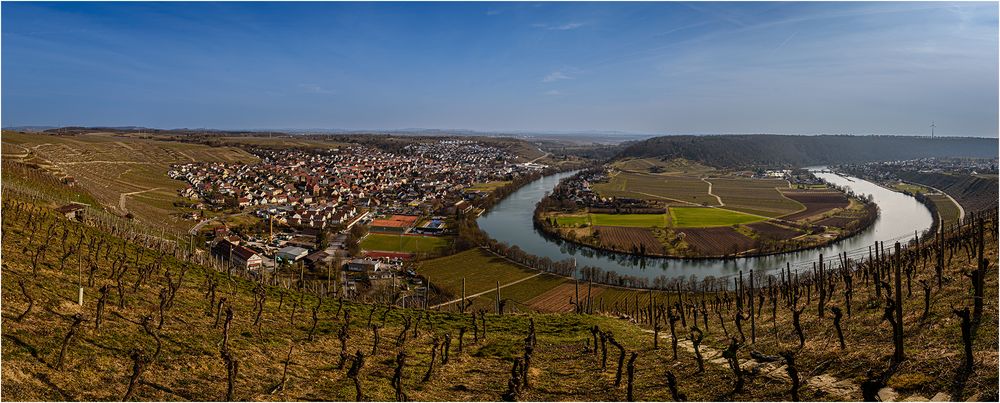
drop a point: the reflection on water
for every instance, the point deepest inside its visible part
(510, 221)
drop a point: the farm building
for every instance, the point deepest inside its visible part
(291, 253)
(363, 265)
(237, 255)
(74, 211)
(319, 258)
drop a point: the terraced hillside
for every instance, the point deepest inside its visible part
(973, 193)
(124, 174)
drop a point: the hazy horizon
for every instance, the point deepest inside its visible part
(627, 69)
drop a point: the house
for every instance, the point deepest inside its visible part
(363, 265)
(320, 258)
(73, 211)
(291, 253)
(239, 256)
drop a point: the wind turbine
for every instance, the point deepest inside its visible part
(932, 129)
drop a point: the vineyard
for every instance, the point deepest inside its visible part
(816, 203)
(716, 241)
(155, 327)
(771, 231)
(676, 188)
(124, 174)
(624, 238)
(754, 196)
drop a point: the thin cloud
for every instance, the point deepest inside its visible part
(553, 92)
(314, 89)
(560, 27)
(556, 76)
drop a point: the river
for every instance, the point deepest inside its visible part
(510, 221)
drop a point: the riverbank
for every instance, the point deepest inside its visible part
(510, 223)
(650, 231)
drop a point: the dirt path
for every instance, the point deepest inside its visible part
(487, 291)
(719, 199)
(543, 156)
(698, 205)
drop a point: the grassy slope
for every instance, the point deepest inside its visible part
(946, 208)
(480, 269)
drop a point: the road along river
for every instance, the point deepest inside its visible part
(510, 221)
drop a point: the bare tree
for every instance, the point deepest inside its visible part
(73, 329)
(31, 301)
(139, 362)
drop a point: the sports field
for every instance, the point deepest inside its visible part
(694, 217)
(404, 243)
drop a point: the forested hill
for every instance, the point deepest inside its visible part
(781, 150)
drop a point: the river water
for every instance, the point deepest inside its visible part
(510, 221)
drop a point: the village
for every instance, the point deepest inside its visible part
(355, 213)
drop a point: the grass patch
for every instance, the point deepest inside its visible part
(487, 186)
(693, 217)
(613, 220)
(403, 243)
(480, 269)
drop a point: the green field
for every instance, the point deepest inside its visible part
(403, 243)
(486, 186)
(946, 208)
(914, 189)
(480, 269)
(615, 220)
(688, 217)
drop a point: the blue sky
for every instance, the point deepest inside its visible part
(665, 68)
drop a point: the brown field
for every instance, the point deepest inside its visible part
(816, 203)
(629, 238)
(716, 241)
(558, 299)
(771, 231)
(685, 189)
(754, 196)
(839, 222)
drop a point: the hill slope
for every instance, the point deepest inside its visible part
(778, 150)
(50, 255)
